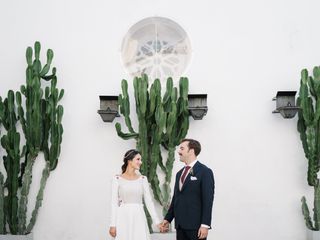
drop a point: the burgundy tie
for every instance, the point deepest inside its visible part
(183, 177)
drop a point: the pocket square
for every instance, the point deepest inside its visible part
(192, 178)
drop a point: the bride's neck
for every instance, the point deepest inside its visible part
(130, 172)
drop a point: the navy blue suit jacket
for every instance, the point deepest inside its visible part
(192, 206)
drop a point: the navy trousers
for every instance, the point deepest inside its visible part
(183, 234)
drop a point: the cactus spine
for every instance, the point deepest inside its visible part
(40, 118)
(309, 129)
(163, 121)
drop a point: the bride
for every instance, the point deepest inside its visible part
(128, 220)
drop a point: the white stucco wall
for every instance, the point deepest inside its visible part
(243, 53)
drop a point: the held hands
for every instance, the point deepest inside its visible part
(164, 226)
(113, 231)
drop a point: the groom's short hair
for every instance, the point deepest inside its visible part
(193, 144)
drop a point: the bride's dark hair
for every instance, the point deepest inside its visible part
(128, 156)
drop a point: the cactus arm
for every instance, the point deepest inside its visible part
(21, 112)
(44, 178)
(306, 214)
(301, 127)
(306, 100)
(155, 185)
(123, 135)
(27, 179)
(167, 95)
(46, 68)
(166, 198)
(317, 113)
(140, 90)
(160, 162)
(168, 175)
(169, 163)
(125, 105)
(316, 82)
(55, 121)
(155, 97)
(312, 87)
(143, 95)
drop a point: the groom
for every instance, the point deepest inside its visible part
(191, 205)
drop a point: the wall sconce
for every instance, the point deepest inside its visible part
(108, 108)
(197, 105)
(286, 104)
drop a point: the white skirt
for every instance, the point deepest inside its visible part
(131, 223)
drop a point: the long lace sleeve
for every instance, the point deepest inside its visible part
(114, 201)
(148, 201)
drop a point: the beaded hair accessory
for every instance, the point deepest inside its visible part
(130, 152)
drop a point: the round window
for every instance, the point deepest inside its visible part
(156, 46)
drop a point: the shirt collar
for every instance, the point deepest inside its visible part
(193, 163)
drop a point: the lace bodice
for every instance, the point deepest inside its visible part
(131, 192)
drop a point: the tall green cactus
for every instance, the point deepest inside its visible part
(11, 143)
(309, 129)
(39, 115)
(163, 121)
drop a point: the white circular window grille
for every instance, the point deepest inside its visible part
(158, 47)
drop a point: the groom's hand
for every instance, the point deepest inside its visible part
(113, 231)
(203, 232)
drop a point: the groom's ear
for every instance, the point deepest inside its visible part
(191, 150)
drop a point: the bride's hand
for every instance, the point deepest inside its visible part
(160, 227)
(113, 231)
(164, 226)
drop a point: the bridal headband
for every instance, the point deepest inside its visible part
(130, 152)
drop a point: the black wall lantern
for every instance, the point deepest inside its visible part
(286, 104)
(108, 108)
(197, 105)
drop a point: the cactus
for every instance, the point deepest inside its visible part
(11, 143)
(309, 129)
(40, 118)
(163, 122)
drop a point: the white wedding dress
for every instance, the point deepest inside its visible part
(127, 213)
